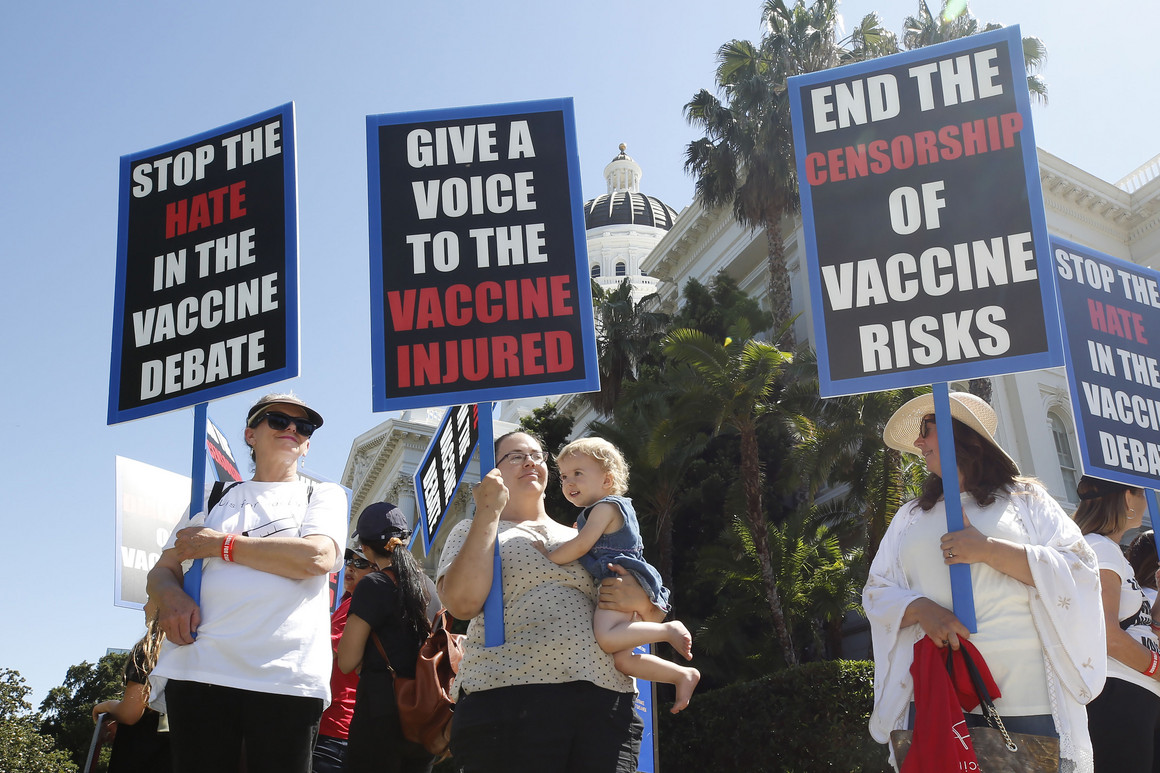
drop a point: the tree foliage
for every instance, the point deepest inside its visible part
(23, 749)
(553, 427)
(67, 709)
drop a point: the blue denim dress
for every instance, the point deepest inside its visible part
(623, 547)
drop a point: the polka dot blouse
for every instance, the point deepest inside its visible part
(547, 617)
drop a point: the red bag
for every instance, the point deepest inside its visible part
(425, 703)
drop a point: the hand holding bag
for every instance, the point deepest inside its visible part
(996, 750)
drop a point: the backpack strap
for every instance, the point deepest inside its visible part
(219, 490)
(383, 652)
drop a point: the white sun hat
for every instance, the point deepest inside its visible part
(904, 425)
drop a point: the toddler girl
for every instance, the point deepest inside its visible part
(594, 476)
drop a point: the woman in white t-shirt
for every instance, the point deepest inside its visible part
(247, 665)
(1124, 720)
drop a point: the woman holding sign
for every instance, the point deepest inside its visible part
(249, 666)
(1033, 578)
(548, 699)
(1125, 719)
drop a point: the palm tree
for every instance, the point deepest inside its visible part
(628, 332)
(838, 443)
(733, 387)
(954, 21)
(746, 157)
(659, 449)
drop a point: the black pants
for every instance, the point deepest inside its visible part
(209, 726)
(376, 743)
(575, 727)
(1124, 722)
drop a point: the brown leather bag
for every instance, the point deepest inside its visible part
(425, 703)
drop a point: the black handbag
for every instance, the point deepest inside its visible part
(997, 750)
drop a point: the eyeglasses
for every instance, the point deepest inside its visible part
(923, 428)
(280, 421)
(516, 458)
(357, 563)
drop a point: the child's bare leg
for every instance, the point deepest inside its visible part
(616, 631)
(656, 669)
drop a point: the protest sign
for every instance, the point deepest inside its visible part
(479, 285)
(442, 468)
(207, 268)
(1111, 322)
(927, 246)
(150, 502)
(218, 448)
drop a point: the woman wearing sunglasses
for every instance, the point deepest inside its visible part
(249, 666)
(1033, 579)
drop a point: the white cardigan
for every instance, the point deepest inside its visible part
(1065, 607)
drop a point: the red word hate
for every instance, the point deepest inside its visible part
(205, 209)
(1106, 318)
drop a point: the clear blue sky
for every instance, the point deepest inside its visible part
(82, 83)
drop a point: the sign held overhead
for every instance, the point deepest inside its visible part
(479, 284)
(207, 268)
(925, 235)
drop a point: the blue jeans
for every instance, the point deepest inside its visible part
(1032, 724)
(328, 754)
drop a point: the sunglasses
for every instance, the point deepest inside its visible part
(280, 421)
(924, 428)
(357, 563)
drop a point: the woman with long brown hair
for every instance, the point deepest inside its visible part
(1033, 580)
(138, 744)
(1124, 720)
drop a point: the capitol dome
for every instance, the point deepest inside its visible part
(624, 204)
(623, 226)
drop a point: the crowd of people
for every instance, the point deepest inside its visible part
(248, 676)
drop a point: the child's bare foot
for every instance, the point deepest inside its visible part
(685, 686)
(680, 638)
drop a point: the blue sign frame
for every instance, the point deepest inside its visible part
(898, 169)
(444, 300)
(144, 240)
(1110, 310)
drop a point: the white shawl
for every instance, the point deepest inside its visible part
(1065, 607)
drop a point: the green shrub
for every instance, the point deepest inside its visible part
(801, 720)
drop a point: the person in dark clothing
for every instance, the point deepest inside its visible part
(392, 606)
(138, 746)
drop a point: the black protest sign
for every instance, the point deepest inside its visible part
(207, 268)
(1111, 323)
(923, 217)
(479, 286)
(438, 475)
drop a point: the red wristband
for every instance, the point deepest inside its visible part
(1154, 665)
(228, 551)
